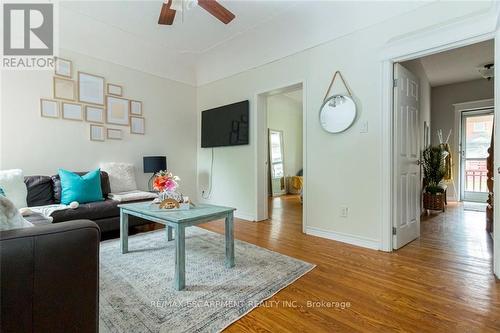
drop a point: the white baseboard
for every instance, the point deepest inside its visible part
(244, 216)
(238, 214)
(344, 238)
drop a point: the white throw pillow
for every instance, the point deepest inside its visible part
(12, 182)
(10, 217)
(121, 176)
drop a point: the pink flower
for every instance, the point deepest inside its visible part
(165, 181)
(170, 185)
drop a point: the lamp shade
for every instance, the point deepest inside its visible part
(153, 164)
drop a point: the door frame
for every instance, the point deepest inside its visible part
(459, 108)
(422, 43)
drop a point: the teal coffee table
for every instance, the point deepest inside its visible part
(179, 220)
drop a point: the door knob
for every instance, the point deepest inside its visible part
(418, 163)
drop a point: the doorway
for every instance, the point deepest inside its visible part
(476, 131)
(441, 113)
(284, 149)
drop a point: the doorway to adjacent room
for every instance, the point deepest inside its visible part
(283, 112)
(443, 125)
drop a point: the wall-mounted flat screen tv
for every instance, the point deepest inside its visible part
(225, 126)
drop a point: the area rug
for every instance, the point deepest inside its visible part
(475, 206)
(137, 294)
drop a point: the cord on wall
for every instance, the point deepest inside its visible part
(211, 178)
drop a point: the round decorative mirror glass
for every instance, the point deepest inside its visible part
(337, 113)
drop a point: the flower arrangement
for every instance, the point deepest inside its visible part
(165, 181)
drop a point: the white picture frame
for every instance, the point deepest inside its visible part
(114, 89)
(97, 133)
(64, 89)
(136, 108)
(63, 67)
(49, 108)
(90, 88)
(94, 114)
(137, 125)
(117, 111)
(72, 111)
(114, 134)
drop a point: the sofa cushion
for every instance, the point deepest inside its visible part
(56, 184)
(91, 211)
(82, 189)
(121, 176)
(40, 191)
(12, 183)
(10, 217)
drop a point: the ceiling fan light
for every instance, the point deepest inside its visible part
(177, 5)
(190, 4)
(181, 5)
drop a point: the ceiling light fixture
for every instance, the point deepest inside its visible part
(182, 5)
(170, 7)
(487, 71)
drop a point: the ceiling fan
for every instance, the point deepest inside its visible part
(170, 7)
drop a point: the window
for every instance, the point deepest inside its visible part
(479, 127)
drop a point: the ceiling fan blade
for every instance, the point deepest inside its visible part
(167, 14)
(217, 10)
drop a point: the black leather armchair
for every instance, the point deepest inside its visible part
(49, 277)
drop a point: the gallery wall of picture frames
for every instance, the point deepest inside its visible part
(90, 99)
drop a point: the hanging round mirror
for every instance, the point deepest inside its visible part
(337, 113)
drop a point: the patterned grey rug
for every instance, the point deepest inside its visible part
(137, 294)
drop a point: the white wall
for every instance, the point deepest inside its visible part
(342, 169)
(443, 114)
(41, 145)
(285, 114)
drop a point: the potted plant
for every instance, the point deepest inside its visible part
(433, 163)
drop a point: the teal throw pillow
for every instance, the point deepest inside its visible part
(2, 192)
(82, 189)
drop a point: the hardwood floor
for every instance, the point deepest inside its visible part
(441, 282)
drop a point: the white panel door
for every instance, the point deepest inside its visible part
(406, 157)
(496, 183)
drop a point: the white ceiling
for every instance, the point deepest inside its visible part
(201, 49)
(197, 34)
(458, 65)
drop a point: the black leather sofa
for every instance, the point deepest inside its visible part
(49, 279)
(46, 190)
(49, 273)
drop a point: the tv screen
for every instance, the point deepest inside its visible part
(225, 126)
